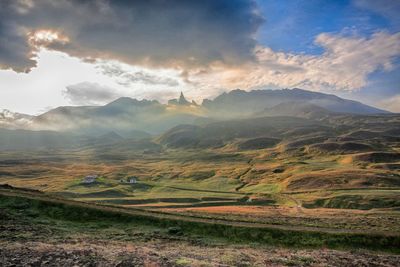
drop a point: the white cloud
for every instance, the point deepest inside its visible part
(345, 65)
(126, 75)
(87, 93)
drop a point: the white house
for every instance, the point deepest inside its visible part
(89, 179)
(132, 180)
(129, 180)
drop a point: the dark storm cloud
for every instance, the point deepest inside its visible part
(15, 51)
(87, 93)
(175, 33)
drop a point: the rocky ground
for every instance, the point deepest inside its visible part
(177, 253)
(30, 236)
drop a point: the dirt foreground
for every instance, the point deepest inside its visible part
(177, 253)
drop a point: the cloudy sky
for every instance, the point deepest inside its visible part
(70, 52)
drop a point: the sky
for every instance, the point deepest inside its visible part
(90, 52)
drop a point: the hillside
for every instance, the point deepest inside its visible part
(27, 140)
(220, 133)
(297, 109)
(239, 102)
(123, 116)
(40, 229)
(339, 157)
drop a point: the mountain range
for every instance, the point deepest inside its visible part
(240, 103)
(138, 119)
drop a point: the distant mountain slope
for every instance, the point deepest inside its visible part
(132, 118)
(38, 140)
(26, 140)
(125, 116)
(297, 109)
(245, 103)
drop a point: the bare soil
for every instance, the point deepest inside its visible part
(177, 253)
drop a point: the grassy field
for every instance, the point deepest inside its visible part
(326, 191)
(41, 207)
(40, 229)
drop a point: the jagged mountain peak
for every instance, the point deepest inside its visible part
(182, 100)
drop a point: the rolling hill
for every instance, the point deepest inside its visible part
(219, 133)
